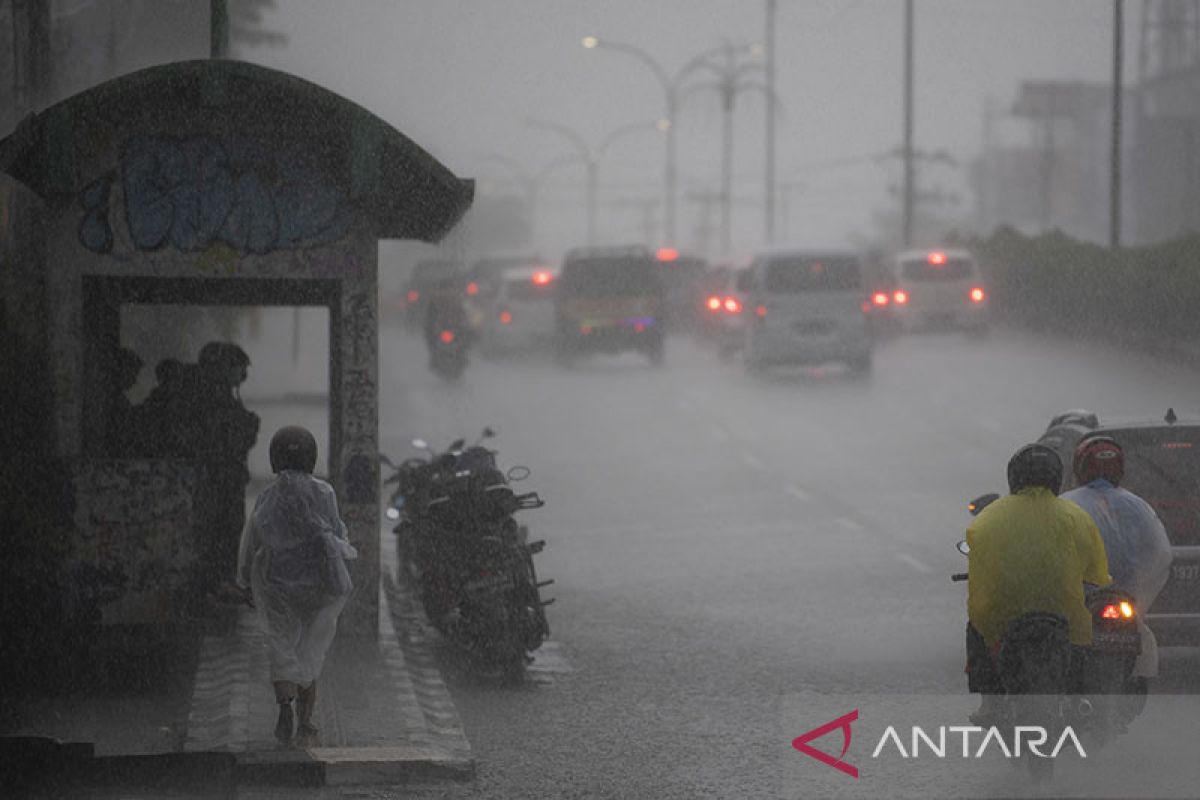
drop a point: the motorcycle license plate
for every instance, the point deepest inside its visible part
(1117, 641)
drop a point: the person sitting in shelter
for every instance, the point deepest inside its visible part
(292, 561)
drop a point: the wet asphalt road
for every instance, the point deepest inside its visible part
(721, 543)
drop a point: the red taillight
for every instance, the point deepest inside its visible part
(447, 337)
(937, 257)
(977, 295)
(585, 329)
(667, 254)
(472, 288)
(413, 295)
(733, 305)
(880, 299)
(1122, 610)
(505, 317)
(901, 297)
(542, 278)
(639, 327)
(714, 304)
(761, 311)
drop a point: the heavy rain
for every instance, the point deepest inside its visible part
(672, 399)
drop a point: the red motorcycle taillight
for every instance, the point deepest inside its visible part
(1122, 610)
(447, 337)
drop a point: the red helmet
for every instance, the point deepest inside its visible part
(1099, 457)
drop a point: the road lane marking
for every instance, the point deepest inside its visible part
(849, 524)
(798, 493)
(752, 461)
(917, 564)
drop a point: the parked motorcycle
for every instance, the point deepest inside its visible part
(466, 556)
(1051, 684)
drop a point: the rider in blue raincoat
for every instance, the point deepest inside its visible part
(1139, 553)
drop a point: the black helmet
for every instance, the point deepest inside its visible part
(1035, 465)
(294, 448)
(224, 354)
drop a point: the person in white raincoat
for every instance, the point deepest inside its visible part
(1139, 552)
(292, 558)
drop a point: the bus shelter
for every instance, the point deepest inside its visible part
(207, 183)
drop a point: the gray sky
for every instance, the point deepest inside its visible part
(461, 76)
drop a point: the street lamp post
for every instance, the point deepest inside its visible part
(671, 85)
(591, 157)
(531, 182)
(730, 75)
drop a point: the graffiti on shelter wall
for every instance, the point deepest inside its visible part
(193, 193)
(134, 546)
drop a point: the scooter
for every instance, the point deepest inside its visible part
(1051, 684)
(448, 352)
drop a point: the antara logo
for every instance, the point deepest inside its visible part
(843, 722)
(1026, 738)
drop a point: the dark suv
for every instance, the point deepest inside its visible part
(609, 299)
(1162, 466)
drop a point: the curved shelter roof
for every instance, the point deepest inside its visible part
(394, 188)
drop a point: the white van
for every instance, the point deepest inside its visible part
(939, 288)
(520, 315)
(806, 307)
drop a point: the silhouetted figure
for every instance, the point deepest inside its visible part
(122, 434)
(219, 431)
(158, 414)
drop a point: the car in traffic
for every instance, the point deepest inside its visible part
(609, 300)
(681, 275)
(520, 317)
(482, 281)
(806, 306)
(938, 289)
(724, 307)
(1162, 466)
(425, 276)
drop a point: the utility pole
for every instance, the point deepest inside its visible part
(769, 190)
(218, 29)
(908, 123)
(1114, 198)
(34, 76)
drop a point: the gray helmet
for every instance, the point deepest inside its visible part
(293, 448)
(1035, 465)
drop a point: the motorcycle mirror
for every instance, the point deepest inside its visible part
(982, 502)
(488, 433)
(420, 444)
(393, 513)
(963, 547)
(518, 473)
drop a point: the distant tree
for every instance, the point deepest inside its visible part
(246, 24)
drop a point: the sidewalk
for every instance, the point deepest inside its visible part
(384, 714)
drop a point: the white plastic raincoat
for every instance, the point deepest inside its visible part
(1139, 552)
(292, 557)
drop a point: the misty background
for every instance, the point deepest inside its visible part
(464, 79)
